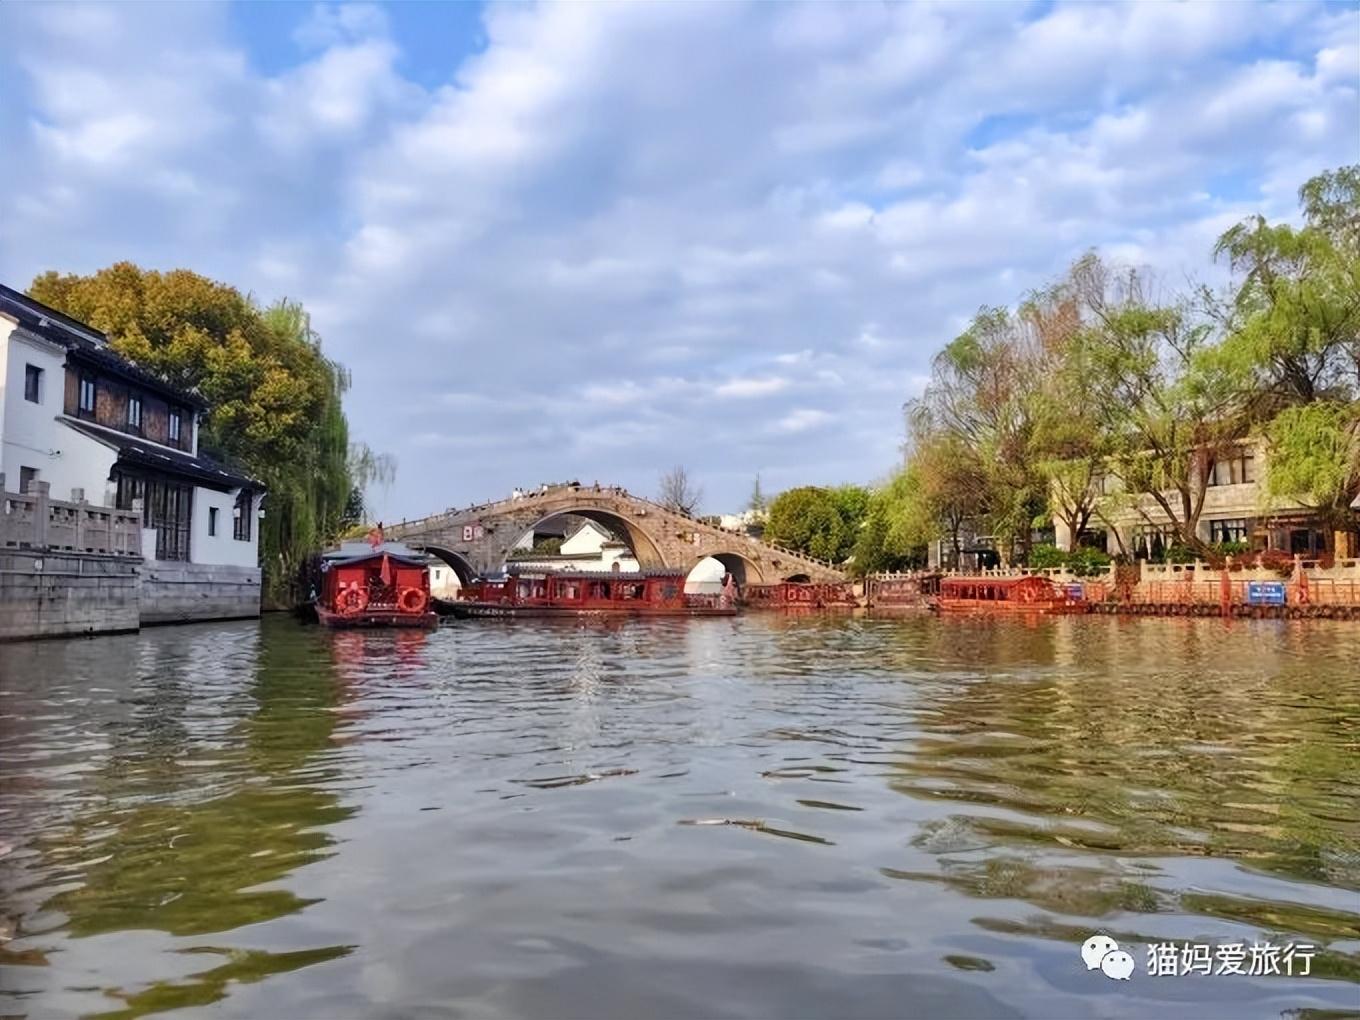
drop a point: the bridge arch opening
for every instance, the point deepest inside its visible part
(799, 579)
(707, 574)
(640, 550)
(458, 564)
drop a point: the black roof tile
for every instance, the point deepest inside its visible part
(143, 452)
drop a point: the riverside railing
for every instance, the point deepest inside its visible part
(1333, 582)
(33, 520)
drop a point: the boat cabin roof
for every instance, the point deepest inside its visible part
(358, 552)
(598, 575)
(1001, 583)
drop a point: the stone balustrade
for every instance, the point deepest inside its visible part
(33, 520)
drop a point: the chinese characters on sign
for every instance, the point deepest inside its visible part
(1182, 959)
(1259, 959)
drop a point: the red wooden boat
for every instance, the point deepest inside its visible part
(587, 593)
(798, 595)
(375, 584)
(1026, 594)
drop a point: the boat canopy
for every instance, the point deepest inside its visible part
(596, 575)
(996, 588)
(358, 552)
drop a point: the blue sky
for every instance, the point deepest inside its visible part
(592, 241)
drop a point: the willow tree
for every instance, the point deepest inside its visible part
(1163, 398)
(979, 402)
(275, 399)
(1292, 342)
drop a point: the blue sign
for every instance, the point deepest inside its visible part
(1265, 593)
(1074, 591)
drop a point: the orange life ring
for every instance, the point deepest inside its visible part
(351, 601)
(412, 600)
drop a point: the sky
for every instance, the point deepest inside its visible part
(593, 241)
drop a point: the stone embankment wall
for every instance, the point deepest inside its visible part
(73, 568)
(184, 592)
(58, 595)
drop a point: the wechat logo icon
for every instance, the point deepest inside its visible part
(1103, 952)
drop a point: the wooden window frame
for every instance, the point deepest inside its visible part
(82, 409)
(33, 375)
(241, 527)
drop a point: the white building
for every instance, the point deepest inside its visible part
(444, 583)
(748, 522)
(96, 427)
(587, 546)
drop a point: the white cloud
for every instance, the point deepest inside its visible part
(802, 419)
(751, 387)
(618, 236)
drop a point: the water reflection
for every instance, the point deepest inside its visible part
(207, 794)
(824, 814)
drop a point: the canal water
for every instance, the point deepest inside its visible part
(766, 816)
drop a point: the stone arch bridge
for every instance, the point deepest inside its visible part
(477, 541)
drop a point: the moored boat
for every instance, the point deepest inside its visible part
(587, 593)
(799, 595)
(375, 584)
(1024, 594)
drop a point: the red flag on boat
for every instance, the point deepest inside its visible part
(386, 573)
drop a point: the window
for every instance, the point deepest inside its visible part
(1235, 467)
(167, 506)
(240, 529)
(33, 384)
(1151, 541)
(174, 426)
(1232, 530)
(86, 394)
(135, 413)
(212, 521)
(28, 479)
(129, 488)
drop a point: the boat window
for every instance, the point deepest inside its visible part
(571, 590)
(522, 590)
(631, 591)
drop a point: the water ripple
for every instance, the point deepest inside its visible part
(568, 819)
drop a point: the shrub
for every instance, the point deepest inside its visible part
(1179, 554)
(1088, 562)
(1042, 557)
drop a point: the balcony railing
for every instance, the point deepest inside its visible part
(33, 520)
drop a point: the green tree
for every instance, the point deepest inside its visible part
(275, 398)
(817, 521)
(896, 527)
(1292, 344)
(1160, 391)
(1315, 459)
(980, 398)
(757, 503)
